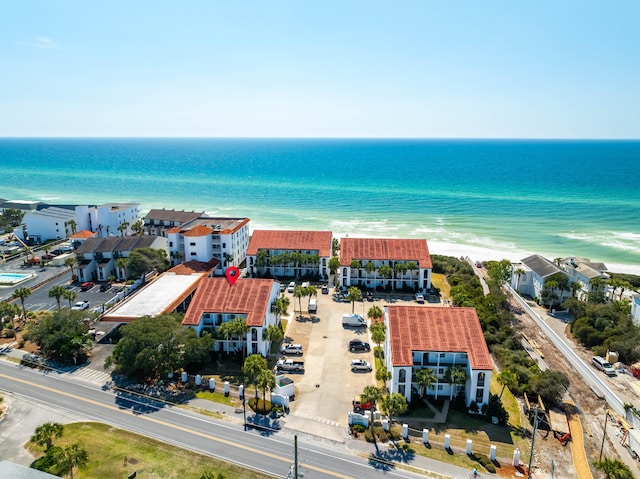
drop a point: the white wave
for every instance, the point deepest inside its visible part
(620, 240)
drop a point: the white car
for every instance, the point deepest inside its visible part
(291, 349)
(360, 365)
(292, 286)
(420, 298)
(80, 305)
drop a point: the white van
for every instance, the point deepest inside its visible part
(354, 320)
(313, 306)
(603, 365)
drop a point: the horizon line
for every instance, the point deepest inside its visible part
(404, 138)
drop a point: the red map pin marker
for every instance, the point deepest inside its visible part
(233, 274)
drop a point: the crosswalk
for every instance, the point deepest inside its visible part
(316, 419)
(86, 373)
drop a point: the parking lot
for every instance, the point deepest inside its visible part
(328, 386)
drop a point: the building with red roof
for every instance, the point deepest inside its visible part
(205, 238)
(385, 263)
(440, 339)
(289, 253)
(216, 301)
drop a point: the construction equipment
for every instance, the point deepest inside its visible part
(32, 259)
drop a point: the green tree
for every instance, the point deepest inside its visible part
(375, 314)
(299, 292)
(334, 264)
(385, 271)
(123, 227)
(62, 336)
(383, 374)
(519, 273)
(70, 296)
(550, 385)
(354, 294)
(121, 265)
(144, 260)
(426, 378)
(70, 262)
(613, 469)
(253, 365)
(57, 292)
(394, 404)
(73, 225)
(265, 381)
(69, 458)
(378, 332)
(22, 294)
(335, 246)
(508, 379)
(456, 375)
(281, 306)
(212, 475)
(138, 227)
(499, 271)
(10, 218)
(44, 434)
(272, 333)
(9, 311)
(371, 394)
(236, 328)
(152, 347)
(312, 291)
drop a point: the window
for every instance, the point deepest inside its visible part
(481, 379)
(401, 389)
(442, 355)
(440, 371)
(402, 376)
(192, 244)
(170, 244)
(440, 387)
(193, 253)
(479, 395)
(224, 245)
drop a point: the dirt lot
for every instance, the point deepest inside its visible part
(590, 409)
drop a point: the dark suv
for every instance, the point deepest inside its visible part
(357, 345)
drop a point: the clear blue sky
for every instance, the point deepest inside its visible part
(468, 69)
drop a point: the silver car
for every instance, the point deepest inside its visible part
(360, 365)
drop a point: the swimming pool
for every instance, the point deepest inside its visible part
(10, 279)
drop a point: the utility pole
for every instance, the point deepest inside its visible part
(295, 457)
(604, 434)
(533, 439)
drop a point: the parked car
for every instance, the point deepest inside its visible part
(87, 286)
(361, 406)
(291, 287)
(105, 287)
(369, 296)
(358, 345)
(291, 349)
(80, 305)
(325, 289)
(283, 288)
(420, 297)
(360, 365)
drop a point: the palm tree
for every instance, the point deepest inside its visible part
(45, 433)
(426, 378)
(378, 333)
(394, 403)
(265, 380)
(370, 267)
(121, 264)
(253, 365)
(371, 394)
(456, 375)
(519, 273)
(70, 262)
(57, 292)
(272, 333)
(71, 457)
(596, 283)
(334, 264)
(9, 311)
(335, 246)
(311, 292)
(385, 271)
(299, 292)
(383, 374)
(281, 305)
(354, 294)
(236, 328)
(508, 379)
(375, 313)
(613, 469)
(228, 258)
(122, 227)
(22, 293)
(576, 287)
(137, 227)
(69, 295)
(73, 225)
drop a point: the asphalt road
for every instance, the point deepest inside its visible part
(271, 453)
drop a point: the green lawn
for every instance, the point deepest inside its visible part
(114, 454)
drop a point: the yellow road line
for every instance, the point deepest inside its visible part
(180, 428)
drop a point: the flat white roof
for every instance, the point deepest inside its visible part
(156, 297)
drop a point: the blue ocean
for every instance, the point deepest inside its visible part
(488, 199)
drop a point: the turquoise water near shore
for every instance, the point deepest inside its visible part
(484, 198)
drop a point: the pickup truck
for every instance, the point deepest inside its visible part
(290, 366)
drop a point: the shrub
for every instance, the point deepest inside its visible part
(486, 463)
(368, 435)
(259, 405)
(358, 428)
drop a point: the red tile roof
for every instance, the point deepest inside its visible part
(422, 328)
(385, 249)
(83, 234)
(173, 230)
(215, 295)
(190, 267)
(290, 240)
(198, 231)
